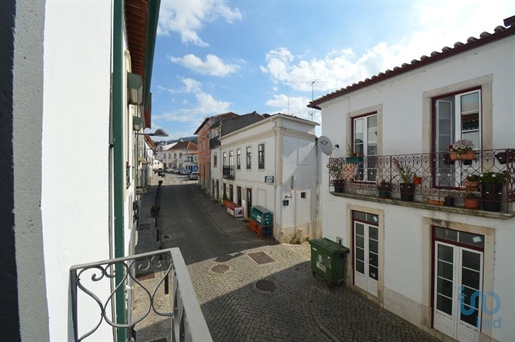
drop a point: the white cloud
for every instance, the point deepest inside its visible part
(437, 27)
(213, 65)
(293, 105)
(189, 17)
(206, 105)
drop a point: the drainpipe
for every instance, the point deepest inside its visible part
(118, 162)
(278, 171)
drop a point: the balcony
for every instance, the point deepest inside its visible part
(228, 172)
(90, 281)
(438, 176)
(214, 142)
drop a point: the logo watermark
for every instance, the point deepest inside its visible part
(469, 308)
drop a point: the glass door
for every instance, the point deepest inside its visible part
(366, 257)
(457, 291)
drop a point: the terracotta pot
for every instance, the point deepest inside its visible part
(436, 202)
(469, 155)
(471, 186)
(471, 203)
(417, 180)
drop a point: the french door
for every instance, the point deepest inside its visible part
(366, 257)
(457, 288)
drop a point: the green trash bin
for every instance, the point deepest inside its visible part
(262, 216)
(328, 260)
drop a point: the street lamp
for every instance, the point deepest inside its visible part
(158, 133)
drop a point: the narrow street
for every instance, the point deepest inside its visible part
(251, 289)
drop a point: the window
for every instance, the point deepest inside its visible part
(249, 151)
(364, 132)
(455, 117)
(261, 156)
(238, 159)
(214, 160)
(231, 158)
(224, 159)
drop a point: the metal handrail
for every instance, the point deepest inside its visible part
(440, 174)
(188, 322)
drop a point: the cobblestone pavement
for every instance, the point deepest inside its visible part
(277, 301)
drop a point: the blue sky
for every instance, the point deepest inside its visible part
(214, 57)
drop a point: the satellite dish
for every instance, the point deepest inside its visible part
(325, 145)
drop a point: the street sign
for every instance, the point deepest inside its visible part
(195, 168)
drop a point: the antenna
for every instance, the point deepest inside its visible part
(312, 111)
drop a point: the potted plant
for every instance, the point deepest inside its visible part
(505, 156)
(407, 187)
(462, 149)
(336, 173)
(416, 179)
(471, 201)
(384, 189)
(492, 184)
(353, 157)
(449, 200)
(471, 182)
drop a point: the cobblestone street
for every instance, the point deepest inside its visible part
(245, 300)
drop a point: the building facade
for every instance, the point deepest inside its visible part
(68, 78)
(272, 163)
(448, 270)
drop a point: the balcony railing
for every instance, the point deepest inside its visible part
(440, 175)
(228, 172)
(214, 142)
(87, 281)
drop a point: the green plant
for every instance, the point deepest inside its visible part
(449, 195)
(350, 153)
(335, 169)
(471, 195)
(383, 186)
(493, 178)
(462, 146)
(404, 171)
(472, 178)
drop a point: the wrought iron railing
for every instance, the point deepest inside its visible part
(439, 174)
(187, 321)
(214, 142)
(228, 172)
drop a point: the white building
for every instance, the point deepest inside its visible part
(272, 163)
(183, 154)
(412, 258)
(76, 72)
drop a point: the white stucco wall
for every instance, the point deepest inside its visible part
(290, 151)
(75, 199)
(406, 281)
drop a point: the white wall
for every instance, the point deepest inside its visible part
(76, 108)
(406, 278)
(290, 151)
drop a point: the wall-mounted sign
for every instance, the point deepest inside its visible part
(286, 202)
(269, 179)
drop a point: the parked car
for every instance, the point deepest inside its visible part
(175, 170)
(193, 175)
(184, 171)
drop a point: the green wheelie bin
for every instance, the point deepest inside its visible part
(328, 260)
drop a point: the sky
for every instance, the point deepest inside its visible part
(213, 57)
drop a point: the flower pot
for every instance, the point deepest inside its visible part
(471, 203)
(417, 180)
(471, 186)
(505, 156)
(384, 193)
(436, 202)
(354, 160)
(339, 185)
(469, 155)
(447, 159)
(407, 191)
(491, 194)
(449, 201)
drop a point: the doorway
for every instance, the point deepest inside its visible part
(457, 287)
(249, 202)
